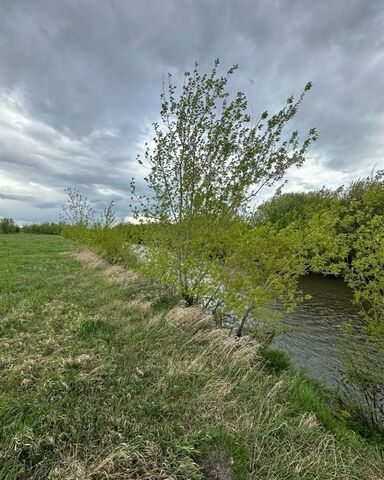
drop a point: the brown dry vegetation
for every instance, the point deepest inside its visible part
(114, 274)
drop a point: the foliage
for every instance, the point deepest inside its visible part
(345, 233)
(260, 273)
(248, 269)
(294, 208)
(364, 361)
(8, 225)
(44, 228)
(366, 275)
(342, 215)
(114, 244)
(207, 165)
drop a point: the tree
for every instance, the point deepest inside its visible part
(108, 216)
(208, 163)
(77, 210)
(8, 225)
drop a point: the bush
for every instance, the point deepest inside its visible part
(113, 244)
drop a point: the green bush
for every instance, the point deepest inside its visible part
(113, 244)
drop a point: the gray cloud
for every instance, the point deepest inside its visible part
(80, 84)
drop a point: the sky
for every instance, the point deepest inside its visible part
(80, 86)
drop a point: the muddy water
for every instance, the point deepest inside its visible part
(314, 343)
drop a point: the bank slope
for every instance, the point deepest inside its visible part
(102, 377)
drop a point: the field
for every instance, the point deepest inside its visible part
(103, 378)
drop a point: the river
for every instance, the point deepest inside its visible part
(317, 323)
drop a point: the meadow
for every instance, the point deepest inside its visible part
(103, 376)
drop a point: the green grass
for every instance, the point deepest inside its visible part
(98, 380)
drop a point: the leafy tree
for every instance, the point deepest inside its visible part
(294, 208)
(78, 211)
(209, 161)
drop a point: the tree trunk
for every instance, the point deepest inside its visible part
(239, 332)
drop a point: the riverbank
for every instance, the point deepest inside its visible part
(101, 377)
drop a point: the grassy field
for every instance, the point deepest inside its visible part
(102, 378)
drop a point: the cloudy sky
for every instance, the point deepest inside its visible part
(80, 84)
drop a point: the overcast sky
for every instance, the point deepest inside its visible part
(80, 84)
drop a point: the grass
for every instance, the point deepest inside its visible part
(102, 378)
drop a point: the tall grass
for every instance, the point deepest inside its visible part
(109, 380)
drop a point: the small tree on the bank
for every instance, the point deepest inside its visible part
(108, 216)
(77, 210)
(209, 161)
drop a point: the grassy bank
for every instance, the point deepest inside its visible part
(103, 378)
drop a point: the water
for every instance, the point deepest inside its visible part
(315, 341)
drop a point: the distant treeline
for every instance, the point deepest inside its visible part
(46, 228)
(9, 225)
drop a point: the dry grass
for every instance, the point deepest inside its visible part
(138, 460)
(190, 319)
(309, 421)
(201, 328)
(90, 259)
(141, 305)
(114, 274)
